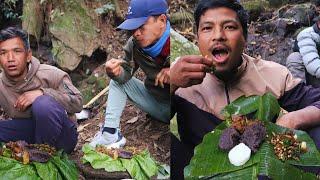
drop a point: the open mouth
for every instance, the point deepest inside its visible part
(220, 54)
(12, 67)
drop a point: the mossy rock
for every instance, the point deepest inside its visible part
(255, 8)
(92, 79)
(66, 57)
(32, 18)
(74, 30)
(277, 3)
(87, 94)
(255, 5)
(101, 83)
(181, 46)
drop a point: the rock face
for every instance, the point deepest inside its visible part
(72, 30)
(272, 38)
(74, 34)
(303, 14)
(33, 18)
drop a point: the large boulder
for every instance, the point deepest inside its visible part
(70, 26)
(303, 14)
(33, 18)
(74, 33)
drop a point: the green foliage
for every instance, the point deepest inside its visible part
(266, 107)
(141, 166)
(59, 167)
(7, 9)
(211, 162)
(109, 7)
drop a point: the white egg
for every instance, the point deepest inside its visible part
(239, 154)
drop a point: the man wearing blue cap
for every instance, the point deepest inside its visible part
(149, 49)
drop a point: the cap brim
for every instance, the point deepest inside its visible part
(132, 24)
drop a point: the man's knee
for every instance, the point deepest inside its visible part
(42, 102)
(45, 105)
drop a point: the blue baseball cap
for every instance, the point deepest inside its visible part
(140, 10)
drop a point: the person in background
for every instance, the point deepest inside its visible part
(304, 62)
(199, 96)
(148, 48)
(36, 97)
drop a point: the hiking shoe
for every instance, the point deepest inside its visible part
(108, 140)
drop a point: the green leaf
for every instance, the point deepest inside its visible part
(209, 160)
(140, 166)
(163, 171)
(6, 152)
(147, 164)
(47, 170)
(58, 167)
(134, 169)
(268, 107)
(247, 173)
(12, 169)
(101, 161)
(66, 167)
(311, 157)
(243, 105)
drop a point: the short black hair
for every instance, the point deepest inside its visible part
(13, 32)
(203, 5)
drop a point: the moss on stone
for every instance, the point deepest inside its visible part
(181, 46)
(255, 5)
(101, 83)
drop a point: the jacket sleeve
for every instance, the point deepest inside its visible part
(65, 93)
(307, 42)
(300, 97)
(128, 67)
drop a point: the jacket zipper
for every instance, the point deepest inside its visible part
(227, 93)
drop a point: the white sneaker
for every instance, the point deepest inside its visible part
(108, 140)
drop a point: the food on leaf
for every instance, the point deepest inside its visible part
(26, 153)
(249, 132)
(239, 155)
(253, 135)
(286, 146)
(126, 153)
(239, 123)
(229, 138)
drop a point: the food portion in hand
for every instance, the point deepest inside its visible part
(239, 155)
(26, 153)
(286, 146)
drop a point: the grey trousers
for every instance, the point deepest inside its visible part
(295, 65)
(135, 90)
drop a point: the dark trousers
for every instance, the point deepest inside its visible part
(49, 124)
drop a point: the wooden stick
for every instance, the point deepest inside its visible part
(96, 97)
